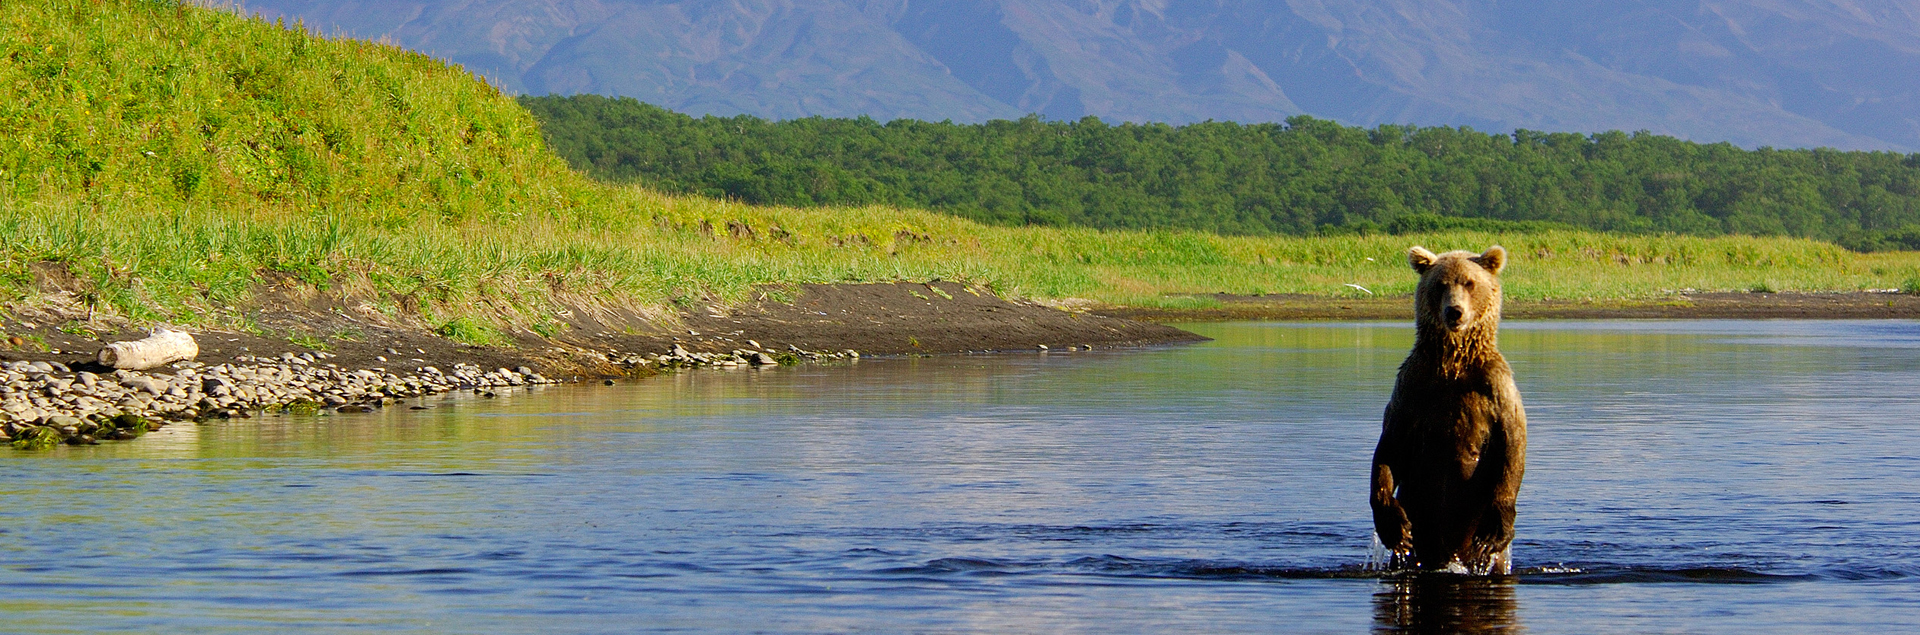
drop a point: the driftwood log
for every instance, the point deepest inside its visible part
(164, 346)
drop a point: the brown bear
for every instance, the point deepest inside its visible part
(1454, 441)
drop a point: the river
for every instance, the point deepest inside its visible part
(1683, 476)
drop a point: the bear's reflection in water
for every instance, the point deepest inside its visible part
(1446, 603)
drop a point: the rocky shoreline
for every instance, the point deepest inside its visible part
(304, 352)
(46, 403)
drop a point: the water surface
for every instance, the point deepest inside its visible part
(1702, 476)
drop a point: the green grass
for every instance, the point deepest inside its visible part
(520, 273)
(145, 102)
(469, 331)
(428, 196)
(309, 342)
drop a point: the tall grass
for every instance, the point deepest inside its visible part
(176, 158)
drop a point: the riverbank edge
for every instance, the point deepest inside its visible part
(52, 392)
(309, 353)
(1679, 306)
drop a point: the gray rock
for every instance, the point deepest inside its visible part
(149, 384)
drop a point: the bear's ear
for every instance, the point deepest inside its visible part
(1494, 259)
(1420, 258)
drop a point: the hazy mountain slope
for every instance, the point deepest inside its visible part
(775, 58)
(499, 40)
(1853, 65)
(1755, 72)
(1433, 62)
(783, 58)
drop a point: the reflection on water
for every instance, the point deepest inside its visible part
(1445, 603)
(1683, 476)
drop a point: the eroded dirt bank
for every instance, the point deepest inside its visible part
(872, 319)
(938, 317)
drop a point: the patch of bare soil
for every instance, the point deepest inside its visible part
(1855, 305)
(908, 318)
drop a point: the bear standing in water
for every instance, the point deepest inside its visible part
(1454, 442)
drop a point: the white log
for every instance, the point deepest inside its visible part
(164, 346)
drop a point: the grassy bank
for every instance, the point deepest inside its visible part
(173, 157)
(639, 248)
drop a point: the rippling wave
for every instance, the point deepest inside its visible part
(1592, 574)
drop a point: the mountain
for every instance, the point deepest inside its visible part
(1785, 73)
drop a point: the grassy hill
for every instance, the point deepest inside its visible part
(174, 157)
(161, 104)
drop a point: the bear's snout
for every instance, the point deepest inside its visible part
(1458, 310)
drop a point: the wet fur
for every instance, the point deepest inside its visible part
(1452, 449)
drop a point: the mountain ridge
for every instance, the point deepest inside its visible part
(1786, 73)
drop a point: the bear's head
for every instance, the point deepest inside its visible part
(1458, 289)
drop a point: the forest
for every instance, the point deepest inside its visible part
(1306, 176)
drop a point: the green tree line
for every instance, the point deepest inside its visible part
(1306, 176)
